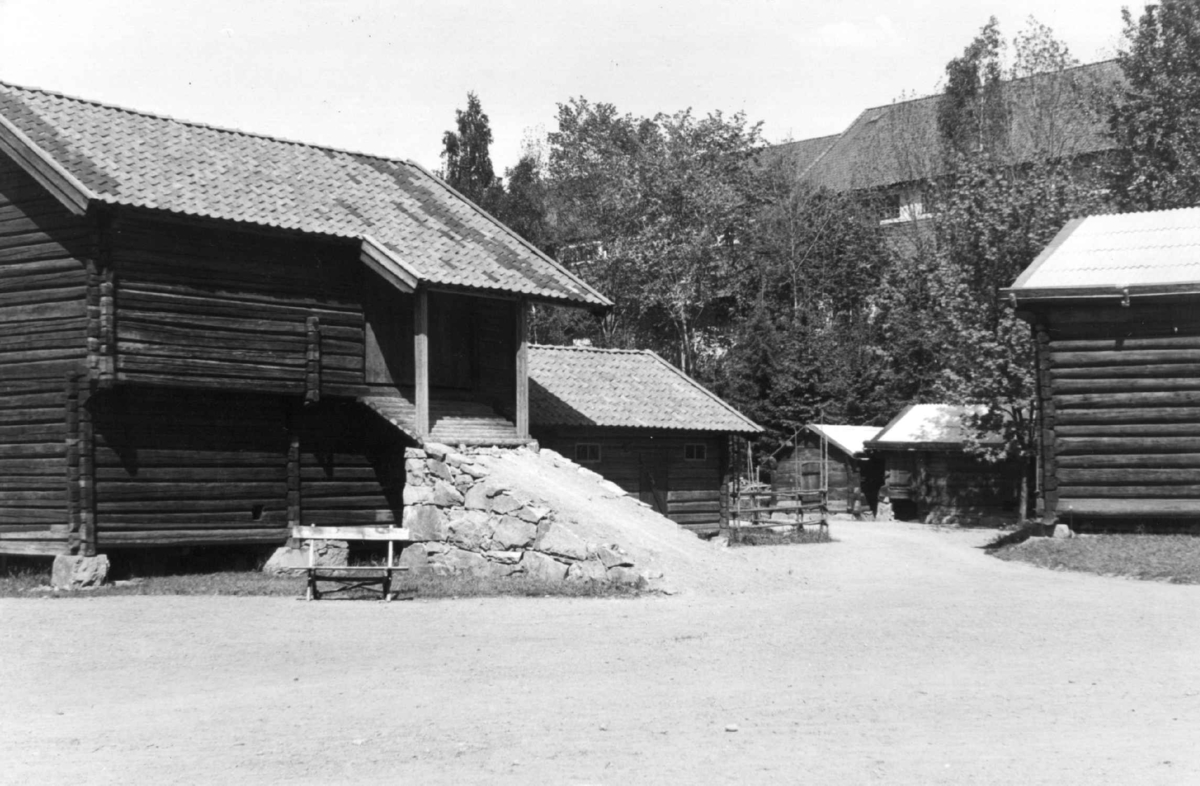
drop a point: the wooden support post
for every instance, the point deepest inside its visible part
(108, 328)
(421, 360)
(312, 369)
(293, 470)
(74, 510)
(522, 364)
(87, 476)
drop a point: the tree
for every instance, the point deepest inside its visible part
(468, 163)
(1155, 119)
(656, 213)
(998, 206)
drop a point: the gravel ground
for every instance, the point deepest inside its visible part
(899, 654)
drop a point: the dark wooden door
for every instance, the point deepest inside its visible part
(652, 483)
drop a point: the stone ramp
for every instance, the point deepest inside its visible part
(506, 512)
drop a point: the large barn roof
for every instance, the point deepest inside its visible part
(1147, 253)
(899, 143)
(587, 386)
(925, 427)
(411, 223)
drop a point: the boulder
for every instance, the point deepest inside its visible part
(540, 567)
(74, 572)
(629, 577)
(327, 554)
(461, 561)
(558, 540)
(504, 557)
(470, 529)
(414, 453)
(505, 503)
(439, 469)
(588, 570)
(474, 470)
(418, 495)
(445, 495)
(437, 450)
(477, 498)
(425, 522)
(611, 557)
(533, 513)
(512, 533)
(413, 557)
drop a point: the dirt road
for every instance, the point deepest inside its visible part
(898, 655)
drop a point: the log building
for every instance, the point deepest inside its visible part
(851, 477)
(208, 335)
(929, 472)
(1113, 304)
(641, 423)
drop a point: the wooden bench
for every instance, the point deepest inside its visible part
(354, 577)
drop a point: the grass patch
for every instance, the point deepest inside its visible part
(31, 579)
(1170, 558)
(765, 537)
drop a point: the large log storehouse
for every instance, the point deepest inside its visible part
(209, 335)
(1113, 304)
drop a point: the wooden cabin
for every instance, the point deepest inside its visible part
(930, 475)
(1114, 302)
(641, 423)
(847, 474)
(209, 336)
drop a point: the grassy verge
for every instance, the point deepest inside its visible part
(1171, 558)
(766, 537)
(32, 580)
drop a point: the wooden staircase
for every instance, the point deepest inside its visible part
(452, 422)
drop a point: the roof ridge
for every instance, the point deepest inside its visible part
(208, 126)
(938, 93)
(574, 348)
(696, 384)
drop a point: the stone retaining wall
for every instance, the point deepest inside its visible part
(466, 523)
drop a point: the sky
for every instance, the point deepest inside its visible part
(386, 76)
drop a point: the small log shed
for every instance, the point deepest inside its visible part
(852, 477)
(930, 475)
(1114, 302)
(210, 336)
(641, 423)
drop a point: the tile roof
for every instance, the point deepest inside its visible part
(898, 143)
(1112, 253)
(586, 386)
(801, 154)
(925, 426)
(125, 157)
(849, 439)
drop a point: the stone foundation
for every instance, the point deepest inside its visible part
(78, 572)
(465, 523)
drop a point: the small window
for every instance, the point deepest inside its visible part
(587, 452)
(695, 452)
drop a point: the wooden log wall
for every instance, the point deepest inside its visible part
(180, 467)
(202, 307)
(693, 487)
(351, 470)
(1121, 395)
(800, 469)
(44, 252)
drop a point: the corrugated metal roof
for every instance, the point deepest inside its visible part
(126, 157)
(925, 425)
(1115, 252)
(587, 386)
(849, 439)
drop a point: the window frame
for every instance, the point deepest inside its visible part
(586, 449)
(691, 449)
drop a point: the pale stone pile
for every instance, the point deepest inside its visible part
(465, 523)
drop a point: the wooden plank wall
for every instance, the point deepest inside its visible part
(693, 487)
(43, 341)
(178, 467)
(351, 466)
(843, 475)
(202, 307)
(1122, 431)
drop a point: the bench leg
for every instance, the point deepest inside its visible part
(387, 586)
(312, 587)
